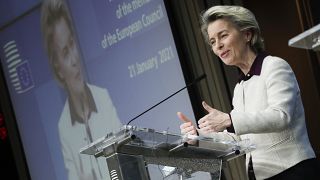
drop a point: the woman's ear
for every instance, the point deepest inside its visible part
(61, 77)
(58, 72)
(248, 35)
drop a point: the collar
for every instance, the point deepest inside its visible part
(92, 107)
(255, 67)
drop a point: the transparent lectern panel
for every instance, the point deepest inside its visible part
(187, 154)
(148, 142)
(309, 39)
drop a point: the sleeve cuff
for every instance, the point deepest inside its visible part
(230, 129)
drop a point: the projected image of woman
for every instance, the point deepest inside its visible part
(88, 113)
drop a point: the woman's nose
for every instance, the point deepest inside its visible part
(219, 45)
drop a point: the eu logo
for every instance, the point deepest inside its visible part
(20, 76)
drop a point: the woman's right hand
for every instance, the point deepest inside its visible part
(187, 127)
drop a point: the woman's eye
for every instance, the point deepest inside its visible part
(224, 35)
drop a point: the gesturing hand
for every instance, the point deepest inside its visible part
(214, 121)
(187, 127)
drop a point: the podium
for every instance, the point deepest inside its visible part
(129, 150)
(309, 39)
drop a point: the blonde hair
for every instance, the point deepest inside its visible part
(239, 16)
(52, 11)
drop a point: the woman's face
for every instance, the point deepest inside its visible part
(67, 58)
(228, 42)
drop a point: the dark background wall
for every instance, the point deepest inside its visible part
(7, 163)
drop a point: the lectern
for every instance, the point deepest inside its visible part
(309, 39)
(129, 150)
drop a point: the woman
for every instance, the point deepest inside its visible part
(267, 105)
(88, 112)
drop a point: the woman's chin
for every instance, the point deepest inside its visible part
(227, 62)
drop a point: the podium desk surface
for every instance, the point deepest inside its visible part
(150, 143)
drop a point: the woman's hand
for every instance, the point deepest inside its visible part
(187, 127)
(214, 121)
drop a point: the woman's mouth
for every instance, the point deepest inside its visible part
(224, 54)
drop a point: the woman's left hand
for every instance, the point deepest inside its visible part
(214, 121)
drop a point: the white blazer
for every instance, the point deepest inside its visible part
(268, 110)
(73, 137)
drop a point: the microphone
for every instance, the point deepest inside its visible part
(188, 85)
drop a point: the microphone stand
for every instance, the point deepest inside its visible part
(190, 84)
